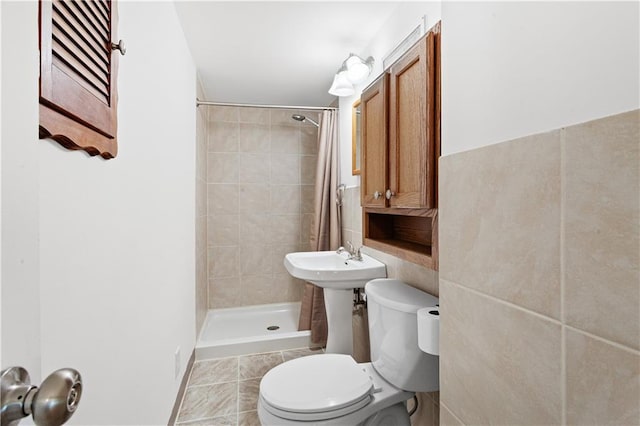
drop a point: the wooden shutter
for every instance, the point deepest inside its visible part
(78, 96)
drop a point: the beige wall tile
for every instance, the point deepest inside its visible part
(255, 259)
(223, 137)
(308, 140)
(603, 382)
(254, 228)
(500, 221)
(222, 199)
(222, 167)
(254, 205)
(356, 210)
(277, 252)
(225, 292)
(255, 115)
(418, 276)
(283, 117)
(356, 239)
(254, 137)
(293, 287)
(391, 262)
(285, 139)
(254, 168)
(602, 227)
(285, 229)
(223, 262)
(498, 364)
(308, 169)
(285, 199)
(307, 193)
(202, 298)
(201, 197)
(285, 169)
(223, 113)
(254, 198)
(347, 235)
(347, 209)
(201, 281)
(447, 418)
(222, 230)
(261, 289)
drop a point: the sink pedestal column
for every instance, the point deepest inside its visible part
(339, 305)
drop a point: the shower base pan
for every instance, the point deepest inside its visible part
(251, 329)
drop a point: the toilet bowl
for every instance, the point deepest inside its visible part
(333, 389)
(327, 389)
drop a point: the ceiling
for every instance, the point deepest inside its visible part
(276, 53)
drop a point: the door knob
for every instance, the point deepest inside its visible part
(377, 194)
(52, 404)
(389, 194)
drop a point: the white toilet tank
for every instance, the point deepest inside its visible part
(393, 335)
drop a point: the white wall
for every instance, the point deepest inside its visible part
(20, 229)
(511, 69)
(399, 25)
(115, 258)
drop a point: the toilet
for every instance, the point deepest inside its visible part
(333, 389)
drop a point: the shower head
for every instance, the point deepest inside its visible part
(302, 118)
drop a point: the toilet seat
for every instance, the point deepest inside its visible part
(316, 387)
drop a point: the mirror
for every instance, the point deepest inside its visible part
(356, 138)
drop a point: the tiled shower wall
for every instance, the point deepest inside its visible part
(414, 275)
(540, 281)
(260, 179)
(202, 118)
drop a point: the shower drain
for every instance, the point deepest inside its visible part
(273, 327)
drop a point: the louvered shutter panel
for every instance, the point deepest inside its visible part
(78, 75)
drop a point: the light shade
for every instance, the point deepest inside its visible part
(341, 85)
(357, 68)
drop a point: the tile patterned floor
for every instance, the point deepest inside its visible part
(224, 391)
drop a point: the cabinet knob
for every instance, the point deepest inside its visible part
(119, 46)
(389, 194)
(377, 195)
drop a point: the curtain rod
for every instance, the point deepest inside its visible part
(207, 103)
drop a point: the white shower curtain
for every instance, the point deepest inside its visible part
(326, 233)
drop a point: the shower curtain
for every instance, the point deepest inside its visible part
(326, 233)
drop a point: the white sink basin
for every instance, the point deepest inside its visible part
(338, 275)
(329, 269)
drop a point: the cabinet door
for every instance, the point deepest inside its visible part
(78, 75)
(411, 129)
(374, 143)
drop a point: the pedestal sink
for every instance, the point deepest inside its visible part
(338, 275)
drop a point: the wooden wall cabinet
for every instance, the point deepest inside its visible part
(401, 146)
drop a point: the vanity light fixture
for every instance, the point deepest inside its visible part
(354, 70)
(341, 85)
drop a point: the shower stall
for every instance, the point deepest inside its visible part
(255, 191)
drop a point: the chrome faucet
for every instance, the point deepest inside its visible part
(353, 253)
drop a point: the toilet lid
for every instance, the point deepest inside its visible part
(316, 384)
